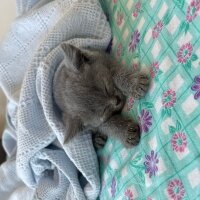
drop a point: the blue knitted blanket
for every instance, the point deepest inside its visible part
(40, 165)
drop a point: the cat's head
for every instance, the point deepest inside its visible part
(89, 89)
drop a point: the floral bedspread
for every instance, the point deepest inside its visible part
(162, 37)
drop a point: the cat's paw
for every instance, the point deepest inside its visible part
(132, 135)
(99, 140)
(142, 86)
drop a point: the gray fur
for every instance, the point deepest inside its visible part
(90, 89)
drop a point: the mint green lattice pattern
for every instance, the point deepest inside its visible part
(162, 37)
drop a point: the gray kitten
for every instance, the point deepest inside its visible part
(90, 89)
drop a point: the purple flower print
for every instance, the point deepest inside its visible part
(168, 98)
(154, 69)
(137, 9)
(135, 14)
(192, 10)
(138, 5)
(135, 38)
(113, 187)
(179, 142)
(176, 189)
(184, 53)
(157, 29)
(196, 87)
(151, 164)
(145, 120)
(128, 194)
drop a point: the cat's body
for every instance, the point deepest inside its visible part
(90, 89)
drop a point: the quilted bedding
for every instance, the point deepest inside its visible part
(162, 37)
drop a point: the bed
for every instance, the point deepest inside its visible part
(159, 37)
(162, 38)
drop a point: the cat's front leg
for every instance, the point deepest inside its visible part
(122, 128)
(131, 83)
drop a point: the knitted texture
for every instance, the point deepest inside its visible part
(40, 165)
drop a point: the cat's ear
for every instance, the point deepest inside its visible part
(77, 56)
